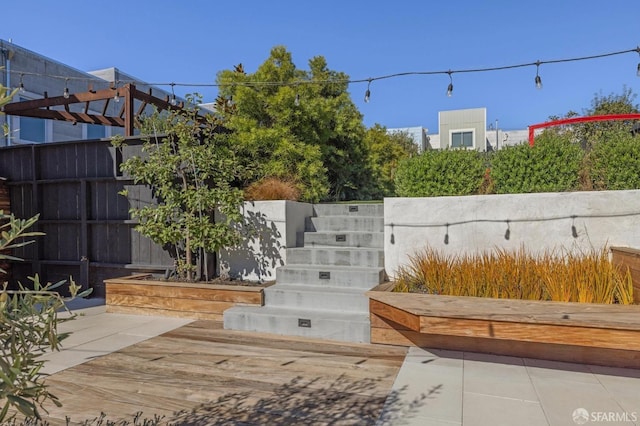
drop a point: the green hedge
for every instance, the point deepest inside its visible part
(437, 173)
(554, 164)
(615, 162)
(551, 165)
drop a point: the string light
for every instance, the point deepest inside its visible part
(638, 72)
(66, 89)
(173, 100)
(367, 94)
(507, 234)
(538, 80)
(296, 102)
(116, 97)
(450, 86)
(21, 83)
(348, 81)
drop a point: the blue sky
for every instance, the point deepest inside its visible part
(189, 42)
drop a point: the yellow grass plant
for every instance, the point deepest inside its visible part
(558, 276)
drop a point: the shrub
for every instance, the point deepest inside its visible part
(272, 188)
(568, 277)
(615, 162)
(437, 173)
(551, 165)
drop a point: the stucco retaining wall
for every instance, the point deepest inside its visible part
(539, 222)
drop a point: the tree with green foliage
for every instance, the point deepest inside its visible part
(298, 125)
(386, 150)
(436, 173)
(192, 167)
(28, 328)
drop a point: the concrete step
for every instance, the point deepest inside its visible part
(345, 327)
(317, 298)
(344, 239)
(331, 276)
(349, 209)
(365, 257)
(345, 223)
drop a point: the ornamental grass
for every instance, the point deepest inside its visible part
(564, 277)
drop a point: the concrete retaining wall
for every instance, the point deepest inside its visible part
(276, 225)
(539, 222)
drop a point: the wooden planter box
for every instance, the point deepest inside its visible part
(139, 294)
(629, 258)
(573, 332)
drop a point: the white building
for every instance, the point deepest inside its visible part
(465, 128)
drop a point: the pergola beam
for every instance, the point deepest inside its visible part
(46, 108)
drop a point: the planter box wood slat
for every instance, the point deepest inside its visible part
(573, 332)
(138, 294)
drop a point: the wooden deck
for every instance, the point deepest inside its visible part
(202, 374)
(585, 333)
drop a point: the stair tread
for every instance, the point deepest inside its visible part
(316, 288)
(329, 268)
(300, 313)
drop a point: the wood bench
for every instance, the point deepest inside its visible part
(573, 332)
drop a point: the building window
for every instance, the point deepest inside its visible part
(462, 139)
(32, 129)
(96, 131)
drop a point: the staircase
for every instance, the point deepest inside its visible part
(320, 291)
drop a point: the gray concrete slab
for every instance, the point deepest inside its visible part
(481, 389)
(95, 333)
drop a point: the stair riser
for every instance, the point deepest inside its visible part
(335, 257)
(341, 224)
(321, 328)
(275, 297)
(328, 239)
(344, 209)
(350, 279)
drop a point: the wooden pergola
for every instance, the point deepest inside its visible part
(126, 95)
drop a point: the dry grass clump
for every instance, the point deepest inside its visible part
(567, 277)
(272, 188)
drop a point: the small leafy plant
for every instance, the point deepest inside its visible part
(28, 328)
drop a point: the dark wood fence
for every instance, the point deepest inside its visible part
(89, 235)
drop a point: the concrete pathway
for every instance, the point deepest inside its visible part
(433, 387)
(439, 387)
(95, 333)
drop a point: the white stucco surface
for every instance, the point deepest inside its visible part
(276, 225)
(537, 222)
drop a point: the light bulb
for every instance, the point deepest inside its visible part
(296, 102)
(450, 90)
(638, 73)
(538, 82)
(367, 94)
(116, 98)
(66, 93)
(173, 100)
